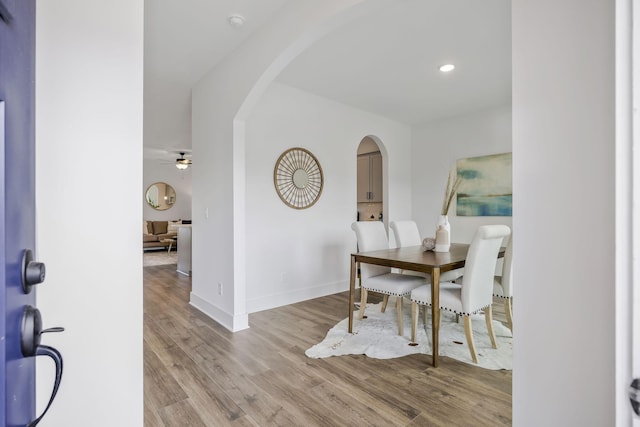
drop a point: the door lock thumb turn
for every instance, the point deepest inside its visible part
(33, 272)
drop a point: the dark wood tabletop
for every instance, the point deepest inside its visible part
(415, 258)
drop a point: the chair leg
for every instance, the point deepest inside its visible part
(385, 300)
(399, 311)
(507, 310)
(414, 319)
(488, 317)
(363, 302)
(469, 333)
(424, 316)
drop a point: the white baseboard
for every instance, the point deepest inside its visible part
(239, 322)
(233, 323)
(285, 298)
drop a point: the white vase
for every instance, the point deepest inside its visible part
(443, 234)
(443, 220)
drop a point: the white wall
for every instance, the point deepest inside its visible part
(88, 113)
(180, 180)
(436, 147)
(221, 101)
(564, 253)
(302, 254)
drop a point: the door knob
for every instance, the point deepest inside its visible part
(31, 332)
(33, 272)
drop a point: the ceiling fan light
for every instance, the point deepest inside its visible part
(182, 163)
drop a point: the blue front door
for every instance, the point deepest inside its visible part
(17, 209)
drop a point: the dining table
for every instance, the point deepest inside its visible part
(413, 258)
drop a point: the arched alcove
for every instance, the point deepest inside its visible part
(371, 180)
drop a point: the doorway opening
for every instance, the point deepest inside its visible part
(369, 181)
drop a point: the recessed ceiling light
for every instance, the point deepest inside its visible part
(447, 67)
(235, 20)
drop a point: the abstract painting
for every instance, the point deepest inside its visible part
(486, 188)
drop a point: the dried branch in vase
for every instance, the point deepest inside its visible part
(450, 191)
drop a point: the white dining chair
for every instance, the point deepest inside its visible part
(371, 236)
(503, 285)
(406, 234)
(476, 292)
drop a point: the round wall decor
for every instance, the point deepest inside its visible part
(298, 178)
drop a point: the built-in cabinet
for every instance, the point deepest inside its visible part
(370, 177)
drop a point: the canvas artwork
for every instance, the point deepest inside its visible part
(486, 189)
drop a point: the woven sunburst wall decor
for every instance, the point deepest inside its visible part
(298, 178)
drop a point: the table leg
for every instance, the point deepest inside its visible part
(435, 313)
(352, 292)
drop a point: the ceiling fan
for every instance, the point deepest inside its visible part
(181, 162)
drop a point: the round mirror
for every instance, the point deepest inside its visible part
(160, 196)
(300, 178)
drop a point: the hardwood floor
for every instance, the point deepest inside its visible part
(199, 374)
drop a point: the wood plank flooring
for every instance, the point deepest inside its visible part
(199, 374)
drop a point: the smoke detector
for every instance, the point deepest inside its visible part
(235, 20)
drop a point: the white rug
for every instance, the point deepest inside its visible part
(159, 257)
(377, 337)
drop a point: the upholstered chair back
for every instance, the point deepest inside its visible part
(477, 282)
(406, 233)
(507, 270)
(371, 236)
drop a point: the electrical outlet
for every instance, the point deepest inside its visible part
(283, 277)
(219, 288)
(206, 213)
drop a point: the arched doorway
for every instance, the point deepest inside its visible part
(369, 184)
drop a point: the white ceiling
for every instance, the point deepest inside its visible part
(386, 63)
(182, 41)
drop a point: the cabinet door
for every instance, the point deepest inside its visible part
(363, 179)
(376, 177)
